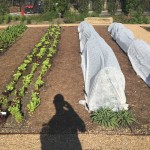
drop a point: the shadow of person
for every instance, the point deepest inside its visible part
(61, 132)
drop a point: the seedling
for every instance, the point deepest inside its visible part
(22, 67)
(39, 82)
(34, 102)
(10, 86)
(17, 75)
(15, 111)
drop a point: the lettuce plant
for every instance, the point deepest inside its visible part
(34, 102)
(15, 110)
(10, 86)
(16, 76)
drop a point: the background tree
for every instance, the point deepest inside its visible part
(137, 7)
(112, 6)
(48, 5)
(83, 6)
(97, 5)
(4, 8)
(62, 6)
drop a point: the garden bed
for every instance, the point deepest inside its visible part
(64, 87)
(146, 28)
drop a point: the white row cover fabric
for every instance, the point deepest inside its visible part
(104, 81)
(121, 35)
(137, 50)
(114, 28)
(139, 55)
(107, 90)
(85, 31)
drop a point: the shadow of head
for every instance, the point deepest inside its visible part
(58, 100)
(61, 105)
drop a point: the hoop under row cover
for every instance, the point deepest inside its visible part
(137, 50)
(103, 78)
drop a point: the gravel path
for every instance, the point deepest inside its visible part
(70, 142)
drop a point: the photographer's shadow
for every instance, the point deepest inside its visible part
(61, 132)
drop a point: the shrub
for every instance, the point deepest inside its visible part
(146, 20)
(70, 17)
(94, 14)
(48, 16)
(29, 20)
(124, 118)
(1, 19)
(22, 19)
(110, 119)
(15, 18)
(131, 20)
(7, 18)
(105, 117)
(82, 16)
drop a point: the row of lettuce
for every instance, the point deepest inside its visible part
(9, 36)
(30, 73)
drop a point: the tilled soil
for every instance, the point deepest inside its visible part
(59, 111)
(15, 55)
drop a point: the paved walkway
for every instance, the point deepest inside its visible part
(84, 141)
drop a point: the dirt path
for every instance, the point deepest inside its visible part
(13, 57)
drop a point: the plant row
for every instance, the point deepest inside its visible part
(9, 36)
(38, 62)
